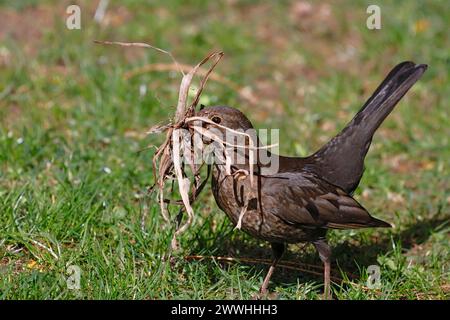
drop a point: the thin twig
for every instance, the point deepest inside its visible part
(167, 67)
(142, 45)
(46, 248)
(101, 10)
(286, 265)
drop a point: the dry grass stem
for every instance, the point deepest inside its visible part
(142, 45)
(245, 93)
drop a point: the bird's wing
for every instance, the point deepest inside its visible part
(306, 200)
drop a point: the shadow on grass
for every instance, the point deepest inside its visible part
(346, 256)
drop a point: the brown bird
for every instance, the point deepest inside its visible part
(307, 196)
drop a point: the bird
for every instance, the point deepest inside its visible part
(306, 196)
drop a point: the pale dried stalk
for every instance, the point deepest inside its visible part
(169, 154)
(43, 246)
(184, 91)
(181, 113)
(164, 166)
(205, 78)
(212, 136)
(216, 138)
(162, 150)
(204, 119)
(142, 45)
(241, 215)
(228, 161)
(251, 147)
(244, 92)
(183, 185)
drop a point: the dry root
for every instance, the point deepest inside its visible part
(168, 162)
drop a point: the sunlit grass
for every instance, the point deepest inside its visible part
(73, 176)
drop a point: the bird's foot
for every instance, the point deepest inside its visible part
(261, 295)
(257, 296)
(327, 295)
(265, 295)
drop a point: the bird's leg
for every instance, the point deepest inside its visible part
(324, 251)
(277, 251)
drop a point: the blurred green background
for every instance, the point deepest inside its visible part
(73, 117)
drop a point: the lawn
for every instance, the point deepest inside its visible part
(75, 167)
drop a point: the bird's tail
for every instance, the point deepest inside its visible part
(344, 154)
(385, 98)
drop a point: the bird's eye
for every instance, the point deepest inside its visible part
(216, 119)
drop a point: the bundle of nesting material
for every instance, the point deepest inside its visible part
(179, 148)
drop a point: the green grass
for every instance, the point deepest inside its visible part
(71, 128)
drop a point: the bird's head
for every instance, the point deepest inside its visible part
(234, 119)
(227, 117)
